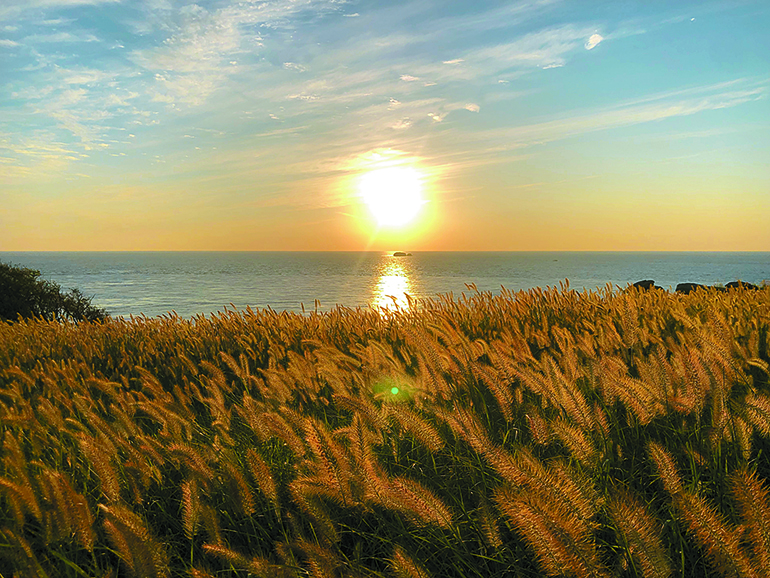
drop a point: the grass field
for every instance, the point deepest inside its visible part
(549, 432)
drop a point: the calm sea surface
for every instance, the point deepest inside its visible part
(191, 283)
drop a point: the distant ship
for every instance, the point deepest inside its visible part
(401, 254)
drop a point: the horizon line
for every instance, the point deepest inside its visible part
(383, 251)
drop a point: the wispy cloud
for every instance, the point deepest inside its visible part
(36, 155)
(657, 108)
(542, 48)
(60, 37)
(11, 9)
(57, 21)
(202, 48)
(190, 64)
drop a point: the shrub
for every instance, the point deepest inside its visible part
(23, 294)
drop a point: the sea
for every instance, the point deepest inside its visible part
(203, 283)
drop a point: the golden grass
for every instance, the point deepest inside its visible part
(549, 432)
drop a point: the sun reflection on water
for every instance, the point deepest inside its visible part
(392, 286)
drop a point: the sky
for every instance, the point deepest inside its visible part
(521, 125)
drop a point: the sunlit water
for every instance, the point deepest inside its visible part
(194, 283)
(392, 284)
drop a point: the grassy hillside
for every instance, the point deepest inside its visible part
(543, 432)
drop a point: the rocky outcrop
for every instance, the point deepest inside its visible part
(738, 284)
(687, 288)
(646, 284)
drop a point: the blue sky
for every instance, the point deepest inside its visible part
(162, 124)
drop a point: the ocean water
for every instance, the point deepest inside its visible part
(192, 283)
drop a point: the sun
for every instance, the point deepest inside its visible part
(393, 194)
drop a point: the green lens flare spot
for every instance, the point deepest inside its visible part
(388, 388)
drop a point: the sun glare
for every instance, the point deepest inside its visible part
(393, 194)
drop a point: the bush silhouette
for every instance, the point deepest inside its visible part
(23, 294)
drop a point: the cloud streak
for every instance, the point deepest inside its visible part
(657, 108)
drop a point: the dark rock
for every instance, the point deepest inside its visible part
(646, 284)
(401, 254)
(687, 288)
(737, 284)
